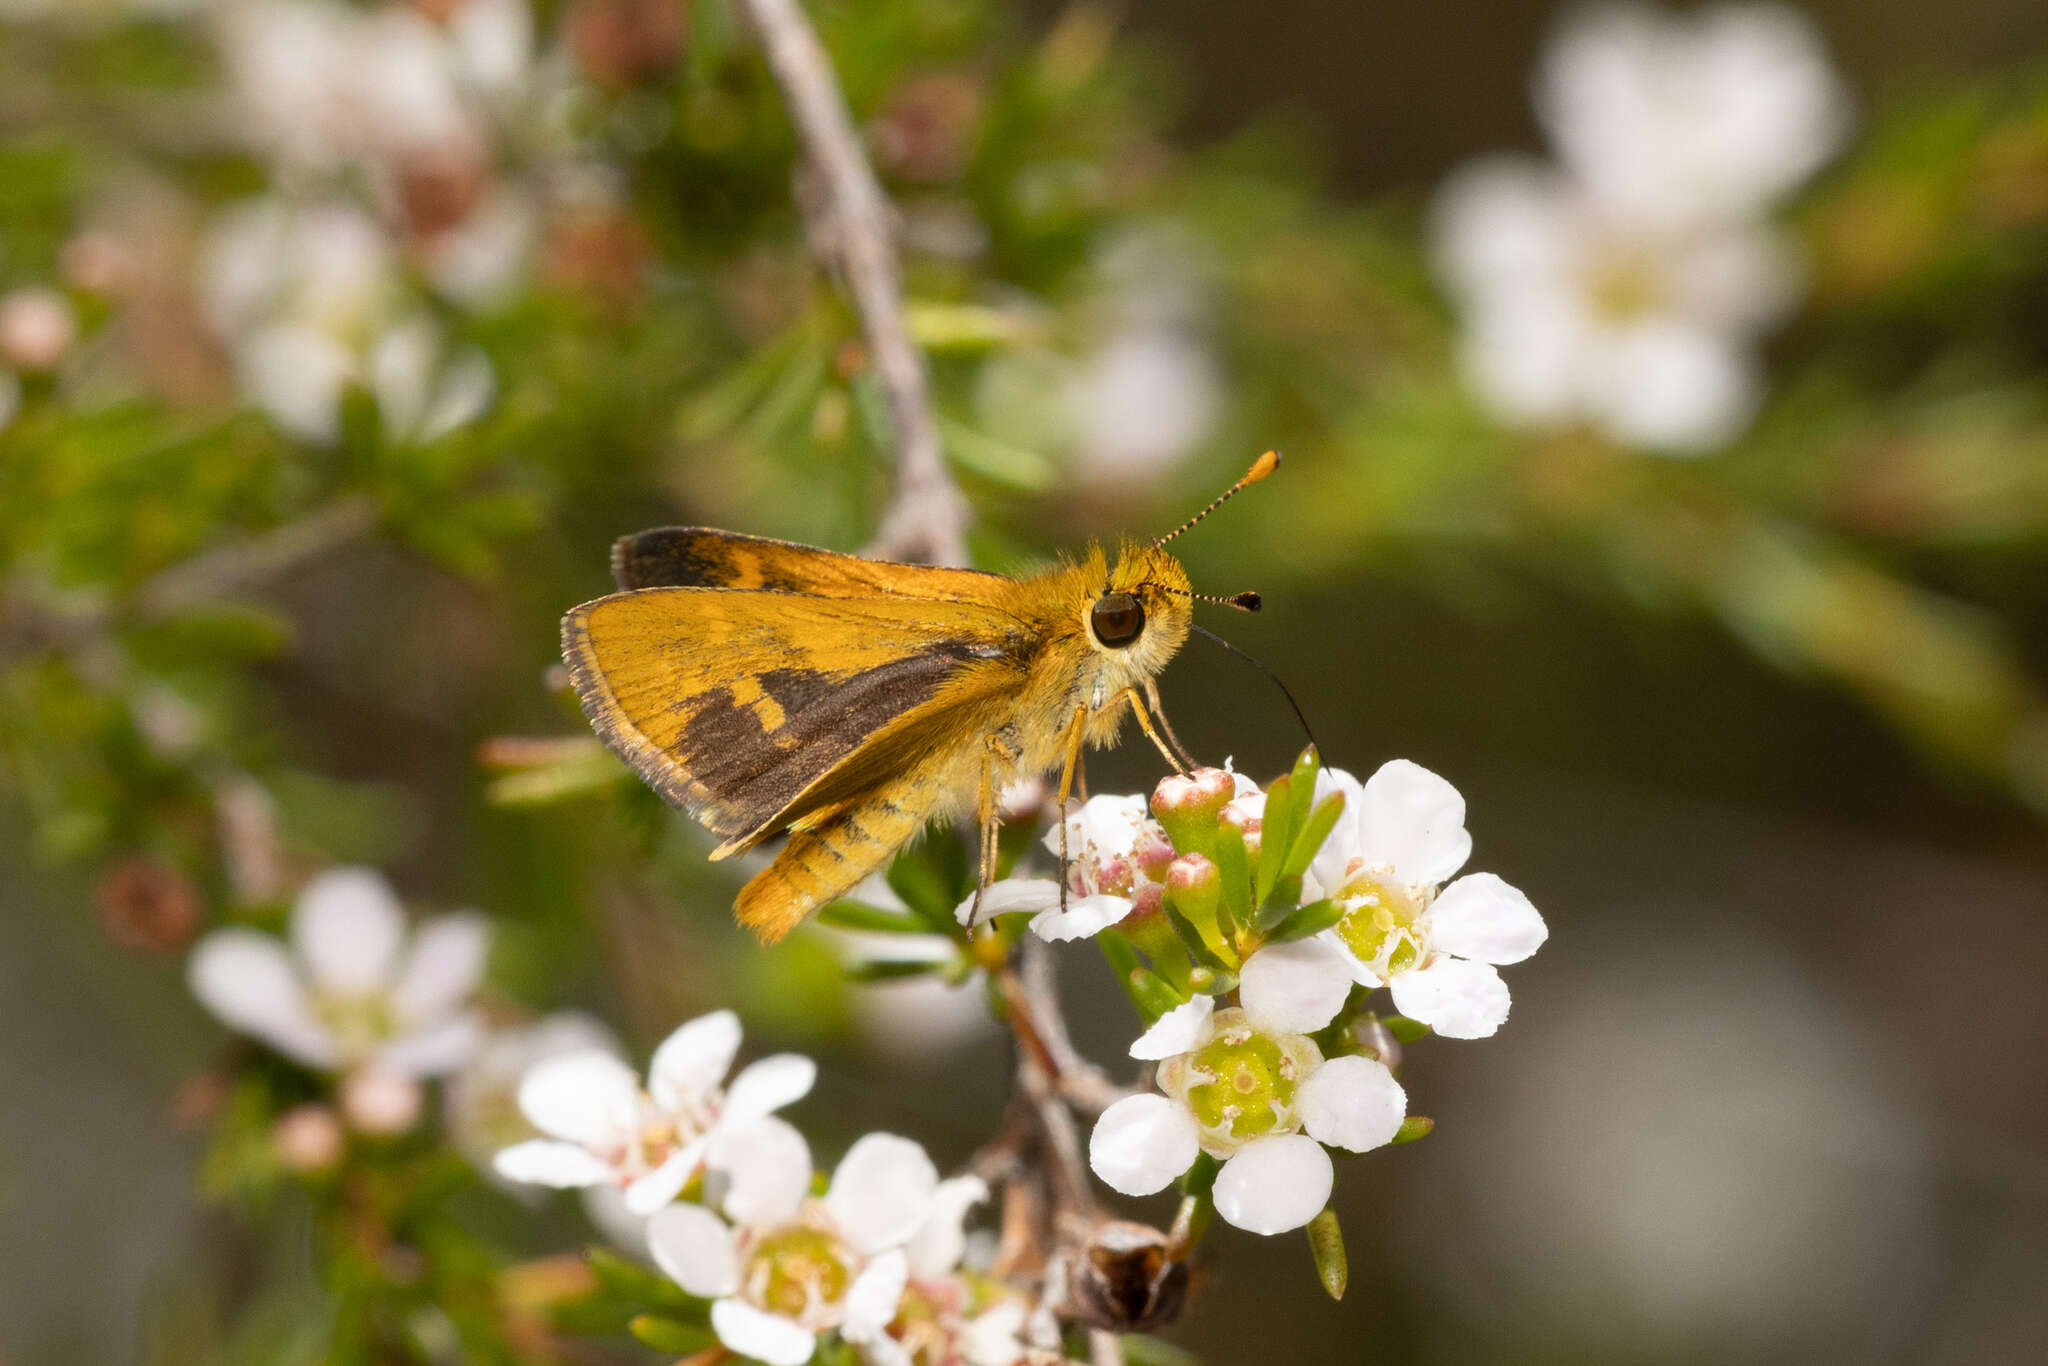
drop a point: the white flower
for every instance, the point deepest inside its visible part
(1117, 858)
(482, 1099)
(1400, 839)
(1247, 1085)
(787, 1267)
(351, 992)
(603, 1127)
(1628, 288)
(1680, 119)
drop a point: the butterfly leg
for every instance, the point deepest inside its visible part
(1152, 695)
(1145, 724)
(1076, 730)
(994, 752)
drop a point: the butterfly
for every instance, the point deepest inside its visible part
(769, 688)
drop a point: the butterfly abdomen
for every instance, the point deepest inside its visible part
(824, 862)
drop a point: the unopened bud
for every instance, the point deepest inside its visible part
(1126, 1282)
(307, 1139)
(1377, 1040)
(1188, 805)
(1193, 887)
(37, 329)
(381, 1102)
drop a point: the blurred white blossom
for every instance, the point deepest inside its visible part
(1627, 287)
(482, 1101)
(782, 1267)
(602, 1127)
(308, 301)
(353, 993)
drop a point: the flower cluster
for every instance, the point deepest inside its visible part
(1268, 916)
(1625, 286)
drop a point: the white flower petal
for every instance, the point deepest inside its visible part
(445, 965)
(872, 1298)
(1499, 222)
(1179, 1030)
(994, 1337)
(881, 1193)
(347, 927)
(766, 1086)
(767, 1168)
(694, 1248)
(1010, 896)
(549, 1162)
(937, 1248)
(691, 1062)
(659, 1187)
(1352, 1102)
(1275, 1184)
(1141, 1143)
(1085, 917)
(1294, 988)
(1103, 827)
(1362, 972)
(1484, 919)
(1413, 822)
(436, 1050)
(762, 1336)
(1674, 388)
(248, 981)
(1457, 998)
(589, 1097)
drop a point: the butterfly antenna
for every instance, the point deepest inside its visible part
(1296, 706)
(1261, 467)
(1243, 602)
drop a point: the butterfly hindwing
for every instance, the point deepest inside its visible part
(705, 557)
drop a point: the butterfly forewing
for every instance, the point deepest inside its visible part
(754, 708)
(705, 557)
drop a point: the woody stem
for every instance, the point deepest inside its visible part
(851, 228)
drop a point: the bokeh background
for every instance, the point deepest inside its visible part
(1760, 727)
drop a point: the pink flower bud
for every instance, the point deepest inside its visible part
(379, 1102)
(37, 329)
(1153, 852)
(307, 1139)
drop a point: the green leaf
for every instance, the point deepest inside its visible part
(1307, 920)
(891, 969)
(1276, 835)
(1234, 909)
(1191, 939)
(626, 1279)
(855, 915)
(1313, 832)
(922, 886)
(670, 1336)
(1326, 1245)
(1117, 949)
(1152, 994)
(1412, 1128)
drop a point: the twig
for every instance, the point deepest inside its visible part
(216, 573)
(851, 227)
(1080, 1082)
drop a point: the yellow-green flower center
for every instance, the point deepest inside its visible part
(798, 1271)
(1242, 1084)
(1380, 925)
(1623, 285)
(358, 1024)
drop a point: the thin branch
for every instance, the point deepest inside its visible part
(851, 226)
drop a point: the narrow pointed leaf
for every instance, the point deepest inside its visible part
(1326, 1244)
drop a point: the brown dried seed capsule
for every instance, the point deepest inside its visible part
(147, 905)
(1125, 1281)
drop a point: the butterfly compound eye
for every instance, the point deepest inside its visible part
(1116, 619)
